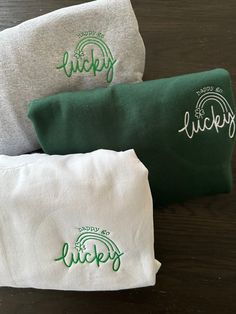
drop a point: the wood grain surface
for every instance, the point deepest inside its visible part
(195, 240)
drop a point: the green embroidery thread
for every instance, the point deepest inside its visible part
(83, 255)
(88, 61)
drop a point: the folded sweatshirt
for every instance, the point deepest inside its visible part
(74, 48)
(182, 128)
(65, 222)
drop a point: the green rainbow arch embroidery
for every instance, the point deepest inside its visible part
(94, 41)
(83, 255)
(86, 236)
(89, 62)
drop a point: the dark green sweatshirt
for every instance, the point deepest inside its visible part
(182, 128)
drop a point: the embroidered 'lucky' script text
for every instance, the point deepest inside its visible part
(213, 121)
(91, 55)
(83, 253)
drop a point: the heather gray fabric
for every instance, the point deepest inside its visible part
(79, 47)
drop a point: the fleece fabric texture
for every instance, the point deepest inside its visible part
(182, 129)
(65, 222)
(85, 46)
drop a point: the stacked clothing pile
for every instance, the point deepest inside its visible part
(80, 215)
